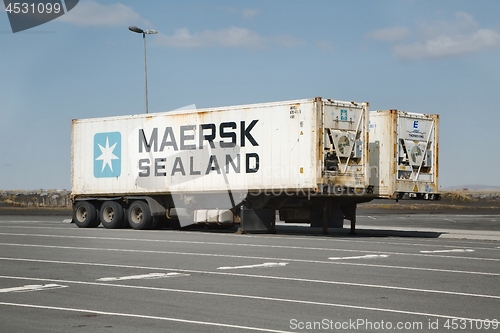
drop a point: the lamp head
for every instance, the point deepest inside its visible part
(135, 29)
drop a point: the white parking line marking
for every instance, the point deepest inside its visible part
(327, 239)
(279, 278)
(228, 244)
(265, 258)
(445, 251)
(266, 264)
(22, 221)
(149, 276)
(368, 256)
(132, 315)
(450, 220)
(32, 287)
(264, 298)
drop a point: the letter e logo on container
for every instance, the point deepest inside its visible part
(415, 124)
(107, 155)
(343, 115)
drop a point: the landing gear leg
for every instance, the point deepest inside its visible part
(326, 214)
(349, 212)
(353, 222)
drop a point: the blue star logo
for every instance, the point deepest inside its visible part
(107, 155)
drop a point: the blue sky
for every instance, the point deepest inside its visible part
(419, 56)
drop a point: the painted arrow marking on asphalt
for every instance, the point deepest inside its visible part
(445, 251)
(266, 264)
(368, 256)
(141, 277)
(32, 287)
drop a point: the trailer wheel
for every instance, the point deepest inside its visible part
(85, 215)
(139, 215)
(112, 215)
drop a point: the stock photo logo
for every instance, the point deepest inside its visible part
(25, 15)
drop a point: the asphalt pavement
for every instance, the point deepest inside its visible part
(393, 276)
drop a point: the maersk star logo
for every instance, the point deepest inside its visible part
(107, 154)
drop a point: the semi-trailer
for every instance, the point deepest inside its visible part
(304, 159)
(403, 154)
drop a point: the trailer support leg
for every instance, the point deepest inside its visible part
(353, 222)
(326, 211)
(349, 212)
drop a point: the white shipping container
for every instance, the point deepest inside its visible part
(301, 145)
(403, 150)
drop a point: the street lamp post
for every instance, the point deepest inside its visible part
(144, 33)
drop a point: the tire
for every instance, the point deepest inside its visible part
(139, 215)
(85, 215)
(112, 215)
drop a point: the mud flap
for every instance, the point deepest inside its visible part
(335, 217)
(258, 220)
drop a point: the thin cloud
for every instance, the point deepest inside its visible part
(288, 41)
(462, 25)
(324, 45)
(92, 13)
(440, 39)
(446, 46)
(395, 34)
(246, 13)
(249, 13)
(232, 37)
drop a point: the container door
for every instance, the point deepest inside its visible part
(345, 143)
(416, 148)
